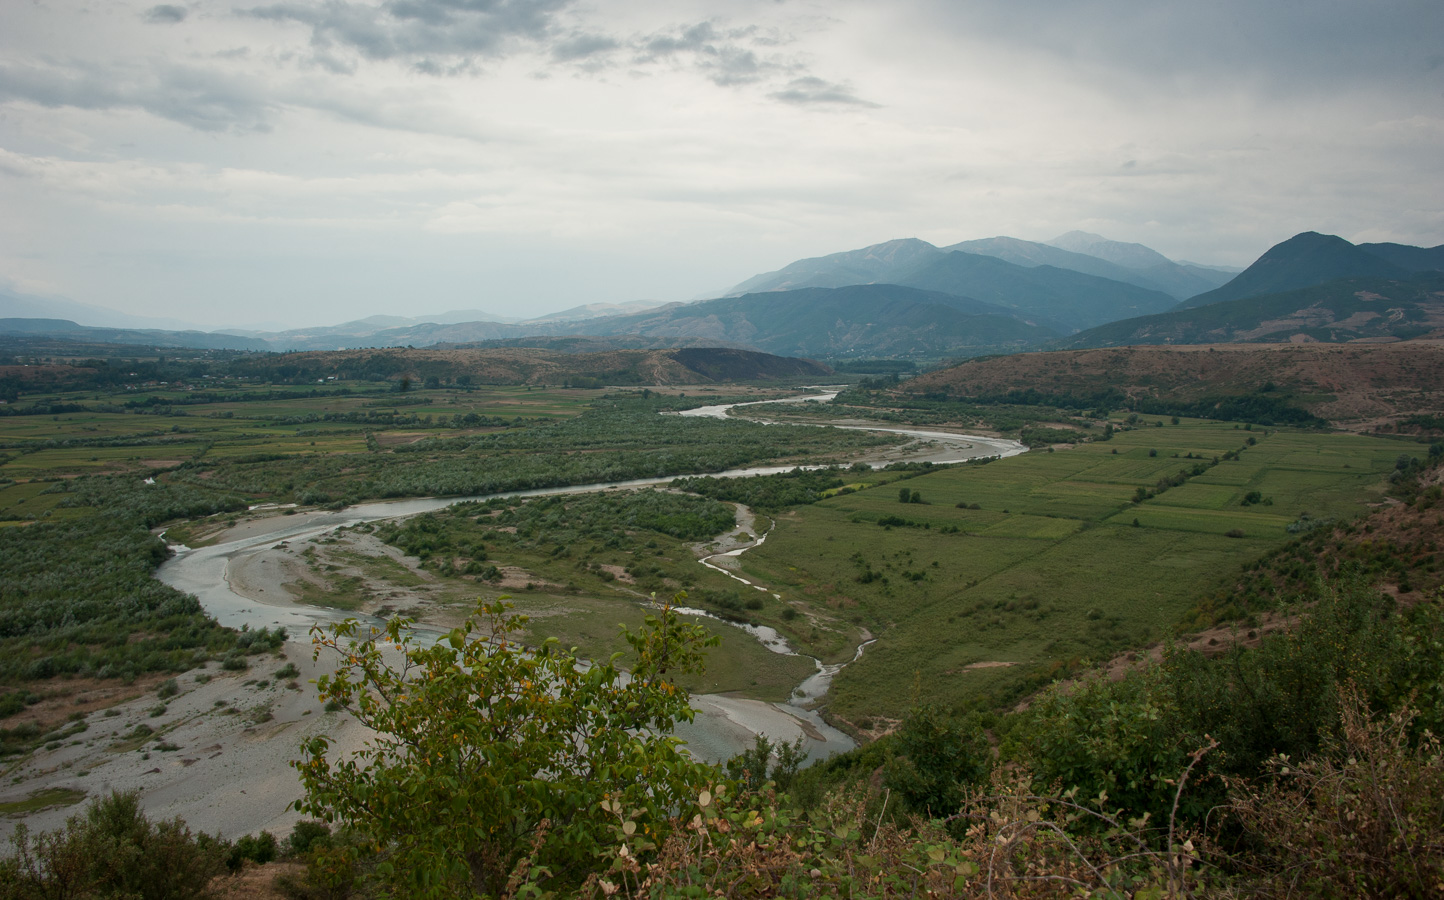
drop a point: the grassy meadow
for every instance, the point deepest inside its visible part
(1011, 573)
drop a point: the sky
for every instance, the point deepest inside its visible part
(266, 163)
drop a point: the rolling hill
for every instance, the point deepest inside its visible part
(1357, 386)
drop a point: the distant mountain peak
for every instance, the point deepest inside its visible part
(1077, 237)
(1132, 256)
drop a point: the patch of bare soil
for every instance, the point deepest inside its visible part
(516, 578)
(399, 438)
(619, 573)
(255, 882)
(61, 698)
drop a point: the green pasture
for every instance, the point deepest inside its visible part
(1051, 569)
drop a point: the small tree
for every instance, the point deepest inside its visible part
(480, 741)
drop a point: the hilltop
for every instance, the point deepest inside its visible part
(1311, 258)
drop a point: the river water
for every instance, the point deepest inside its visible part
(724, 726)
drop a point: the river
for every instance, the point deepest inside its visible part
(724, 725)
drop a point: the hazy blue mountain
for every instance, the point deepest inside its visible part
(1030, 254)
(1175, 279)
(1301, 261)
(150, 337)
(879, 263)
(1132, 256)
(1057, 298)
(18, 305)
(871, 319)
(1150, 268)
(1342, 310)
(1045, 293)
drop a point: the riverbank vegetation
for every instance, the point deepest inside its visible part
(84, 483)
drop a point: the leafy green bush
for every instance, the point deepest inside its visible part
(937, 758)
(307, 834)
(1115, 740)
(479, 741)
(257, 848)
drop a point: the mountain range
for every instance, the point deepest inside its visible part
(908, 297)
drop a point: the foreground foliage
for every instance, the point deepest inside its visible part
(483, 744)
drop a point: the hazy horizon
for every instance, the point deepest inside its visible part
(306, 163)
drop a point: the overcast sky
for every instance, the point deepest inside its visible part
(312, 161)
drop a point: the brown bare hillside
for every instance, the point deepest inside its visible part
(1354, 386)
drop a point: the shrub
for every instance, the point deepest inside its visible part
(937, 759)
(257, 848)
(305, 835)
(112, 850)
(234, 662)
(479, 741)
(168, 688)
(1109, 738)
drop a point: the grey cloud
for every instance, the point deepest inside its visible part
(584, 47)
(727, 58)
(1318, 47)
(810, 90)
(203, 100)
(693, 37)
(427, 31)
(165, 14)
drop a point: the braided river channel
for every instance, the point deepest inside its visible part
(723, 726)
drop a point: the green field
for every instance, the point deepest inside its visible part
(1050, 571)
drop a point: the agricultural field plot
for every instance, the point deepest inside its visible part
(1059, 565)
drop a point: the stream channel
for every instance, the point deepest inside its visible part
(724, 726)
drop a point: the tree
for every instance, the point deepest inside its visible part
(480, 742)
